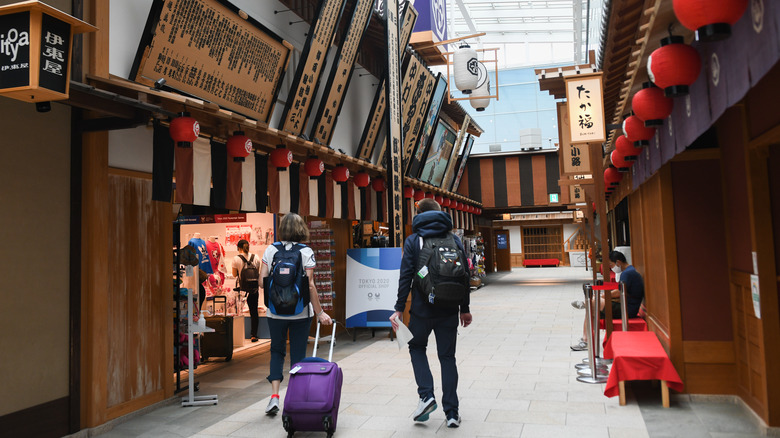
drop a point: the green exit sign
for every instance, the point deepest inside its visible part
(553, 198)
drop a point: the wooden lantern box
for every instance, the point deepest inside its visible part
(36, 41)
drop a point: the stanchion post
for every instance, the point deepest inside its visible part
(623, 306)
(591, 316)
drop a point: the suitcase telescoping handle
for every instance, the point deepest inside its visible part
(332, 341)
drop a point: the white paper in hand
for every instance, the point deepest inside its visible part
(403, 335)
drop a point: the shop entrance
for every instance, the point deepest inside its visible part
(543, 242)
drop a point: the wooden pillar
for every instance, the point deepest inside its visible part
(94, 302)
(596, 160)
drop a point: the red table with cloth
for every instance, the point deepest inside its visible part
(638, 356)
(634, 325)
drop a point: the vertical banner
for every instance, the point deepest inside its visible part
(183, 175)
(303, 189)
(162, 162)
(307, 76)
(248, 186)
(341, 73)
(375, 120)
(218, 174)
(393, 122)
(574, 159)
(233, 196)
(261, 182)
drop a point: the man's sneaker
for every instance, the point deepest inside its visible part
(424, 409)
(580, 346)
(453, 421)
(273, 406)
(578, 304)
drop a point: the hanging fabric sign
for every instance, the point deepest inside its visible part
(586, 108)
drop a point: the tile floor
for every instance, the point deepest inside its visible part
(516, 380)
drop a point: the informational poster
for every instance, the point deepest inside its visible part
(207, 49)
(310, 68)
(376, 117)
(341, 73)
(373, 287)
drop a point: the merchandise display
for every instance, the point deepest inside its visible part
(321, 242)
(475, 252)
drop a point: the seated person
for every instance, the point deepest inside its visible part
(635, 293)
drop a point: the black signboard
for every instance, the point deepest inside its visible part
(15, 50)
(55, 43)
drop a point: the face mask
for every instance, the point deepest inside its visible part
(616, 269)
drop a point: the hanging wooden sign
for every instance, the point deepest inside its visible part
(212, 50)
(374, 123)
(428, 124)
(573, 159)
(462, 134)
(585, 101)
(310, 68)
(416, 91)
(341, 73)
(393, 122)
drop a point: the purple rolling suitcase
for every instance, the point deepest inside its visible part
(313, 393)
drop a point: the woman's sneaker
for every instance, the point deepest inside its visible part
(273, 406)
(453, 421)
(424, 409)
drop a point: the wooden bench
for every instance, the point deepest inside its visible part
(541, 262)
(639, 356)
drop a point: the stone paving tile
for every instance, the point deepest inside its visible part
(517, 379)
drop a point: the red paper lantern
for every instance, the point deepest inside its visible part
(652, 106)
(408, 192)
(712, 21)
(627, 149)
(472, 209)
(637, 132)
(184, 130)
(313, 167)
(239, 146)
(418, 195)
(479, 211)
(439, 199)
(446, 202)
(361, 179)
(619, 161)
(378, 184)
(281, 158)
(429, 195)
(340, 174)
(611, 178)
(674, 66)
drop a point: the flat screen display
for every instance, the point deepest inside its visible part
(439, 154)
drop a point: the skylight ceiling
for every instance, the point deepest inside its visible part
(529, 33)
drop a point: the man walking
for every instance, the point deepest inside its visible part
(246, 266)
(427, 315)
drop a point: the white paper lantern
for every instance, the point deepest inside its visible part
(466, 67)
(479, 99)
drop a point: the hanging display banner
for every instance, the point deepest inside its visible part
(375, 119)
(585, 101)
(341, 73)
(307, 77)
(429, 122)
(395, 137)
(222, 218)
(212, 50)
(573, 159)
(433, 18)
(416, 91)
(462, 134)
(371, 292)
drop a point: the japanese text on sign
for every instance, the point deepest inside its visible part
(586, 109)
(203, 48)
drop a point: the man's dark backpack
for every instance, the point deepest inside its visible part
(249, 277)
(287, 286)
(442, 272)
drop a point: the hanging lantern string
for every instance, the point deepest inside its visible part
(671, 26)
